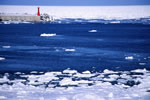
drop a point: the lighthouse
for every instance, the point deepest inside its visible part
(38, 14)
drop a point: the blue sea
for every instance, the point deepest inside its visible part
(69, 61)
(105, 48)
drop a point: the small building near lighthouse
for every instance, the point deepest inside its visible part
(20, 17)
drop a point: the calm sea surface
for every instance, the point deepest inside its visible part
(88, 46)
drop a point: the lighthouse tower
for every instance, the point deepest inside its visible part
(38, 14)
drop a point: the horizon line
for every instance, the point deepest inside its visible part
(77, 5)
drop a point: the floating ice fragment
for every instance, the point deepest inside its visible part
(3, 97)
(71, 50)
(125, 76)
(1, 58)
(6, 46)
(109, 79)
(139, 70)
(51, 34)
(93, 31)
(61, 98)
(84, 82)
(142, 64)
(108, 71)
(86, 72)
(33, 72)
(67, 81)
(41, 98)
(4, 79)
(129, 58)
(68, 71)
(115, 22)
(87, 96)
(114, 76)
(110, 95)
(6, 22)
(18, 73)
(83, 75)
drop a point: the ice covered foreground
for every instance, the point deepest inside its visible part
(72, 85)
(85, 12)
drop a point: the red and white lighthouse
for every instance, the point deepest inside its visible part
(38, 14)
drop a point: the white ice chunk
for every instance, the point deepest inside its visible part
(86, 72)
(142, 64)
(67, 81)
(18, 73)
(106, 71)
(129, 58)
(61, 98)
(6, 46)
(48, 34)
(4, 79)
(2, 58)
(115, 22)
(114, 76)
(33, 72)
(70, 50)
(3, 98)
(92, 30)
(87, 96)
(139, 70)
(83, 75)
(84, 82)
(68, 71)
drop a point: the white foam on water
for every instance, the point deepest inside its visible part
(48, 34)
(2, 58)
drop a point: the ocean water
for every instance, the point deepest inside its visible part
(88, 46)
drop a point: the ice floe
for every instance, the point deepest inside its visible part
(129, 57)
(2, 58)
(6, 46)
(48, 34)
(73, 85)
(92, 30)
(70, 50)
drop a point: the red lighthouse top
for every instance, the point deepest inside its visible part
(38, 14)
